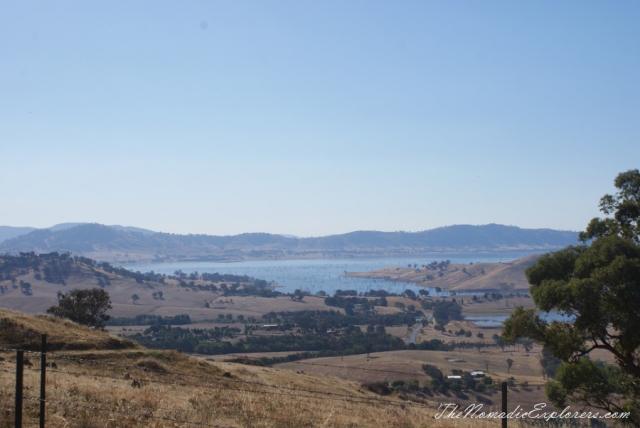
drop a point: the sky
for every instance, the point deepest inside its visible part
(318, 117)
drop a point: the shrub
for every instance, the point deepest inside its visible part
(397, 383)
(377, 388)
(246, 361)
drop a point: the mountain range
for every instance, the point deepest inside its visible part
(8, 232)
(129, 244)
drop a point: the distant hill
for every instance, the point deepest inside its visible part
(116, 243)
(63, 226)
(8, 232)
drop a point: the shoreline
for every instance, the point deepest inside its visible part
(145, 258)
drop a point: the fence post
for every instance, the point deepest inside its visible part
(19, 372)
(43, 377)
(504, 404)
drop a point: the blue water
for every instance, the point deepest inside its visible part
(497, 320)
(327, 274)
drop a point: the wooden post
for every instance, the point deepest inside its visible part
(19, 372)
(504, 404)
(43, 377)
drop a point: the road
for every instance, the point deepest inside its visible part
(412, 338)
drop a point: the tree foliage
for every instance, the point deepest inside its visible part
(598, 285)
(86, 307)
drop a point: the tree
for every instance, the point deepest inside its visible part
(135, 298)
(298, 295)
(410, 294)
(368, 347)
(598, 285)
(509, 364)
(86, 307)
(499, 341)
(445, 311)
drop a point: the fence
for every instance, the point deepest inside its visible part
(223, 383)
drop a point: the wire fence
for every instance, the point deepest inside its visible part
(141, 375)
(322, 394)
(109, 370)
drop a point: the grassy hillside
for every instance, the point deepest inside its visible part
(457, 277)
(112, 385)
(46, 275)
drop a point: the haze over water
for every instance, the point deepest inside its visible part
(327, 274)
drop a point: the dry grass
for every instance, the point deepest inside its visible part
(177, 300)
(218, 396)
(129, 388)
(407, 365)
(137, 387)
(479, 276)
(24, 331)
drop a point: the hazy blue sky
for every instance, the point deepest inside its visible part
(315, 117)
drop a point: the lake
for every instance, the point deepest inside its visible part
(327, 274)
(497, 320)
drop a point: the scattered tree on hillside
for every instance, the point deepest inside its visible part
(135, 298)
(25, 287)
(86, 307)
(509, 364)
(368, 347)
(297, 295)
(527, 344)
(499, 341)
(445, 311)
(549, 364)
(597, 284)
(410, 294)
